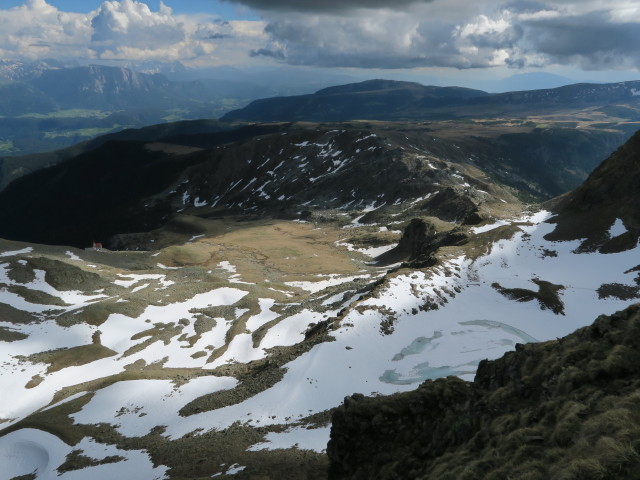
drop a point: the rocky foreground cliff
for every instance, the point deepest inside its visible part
(563, 409)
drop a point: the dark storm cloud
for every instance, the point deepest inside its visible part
(516, 34)
(592, 40)
(387, 40)
(214, 31)
(525, 6)
(325, 5)
(265, 52)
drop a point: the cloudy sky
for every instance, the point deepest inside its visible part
(455, 41)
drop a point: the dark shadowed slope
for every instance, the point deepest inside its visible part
(138, 179)
(610, 196)
(17, 166)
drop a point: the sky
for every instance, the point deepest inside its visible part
(436, 41)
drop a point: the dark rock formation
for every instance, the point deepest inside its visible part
(565, 409)
(419, 242)
(547, 295)
(453, 206)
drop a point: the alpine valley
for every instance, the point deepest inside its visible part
(380, 280)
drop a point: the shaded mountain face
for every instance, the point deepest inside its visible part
(290, 171)
(392, 100)
(560, 409)
(18, 166)
(105, 190)
(603, 211)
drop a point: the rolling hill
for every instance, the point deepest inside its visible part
(393, 100)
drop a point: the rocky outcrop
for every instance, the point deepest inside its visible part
(419, 242)
(565, 409)
(453, 206)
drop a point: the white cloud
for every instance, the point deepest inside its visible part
(131, 24)
(38, 30)
(125, 30)
(484, 25)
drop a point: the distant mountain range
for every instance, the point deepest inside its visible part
(97, 87)
(392, 100)
(45, 105)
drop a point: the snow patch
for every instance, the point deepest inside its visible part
(333, 280)
(489, 227)
(16, 252)
(302, 438)
(72, 255)
(617, 228)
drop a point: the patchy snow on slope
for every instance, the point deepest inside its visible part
(231, 470)
(164, 267)
(415, 325)
(489, 227)
(332, 281)
(136, 278)
(118, 329)
(290, 330)
(239, 350)
(73, 298)
(118, 334)
(19, 303)
(136, 406)
(227, 267)
(26, 451)
(472, 321)
(372, 252)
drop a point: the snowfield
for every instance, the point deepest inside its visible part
(418, 325)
